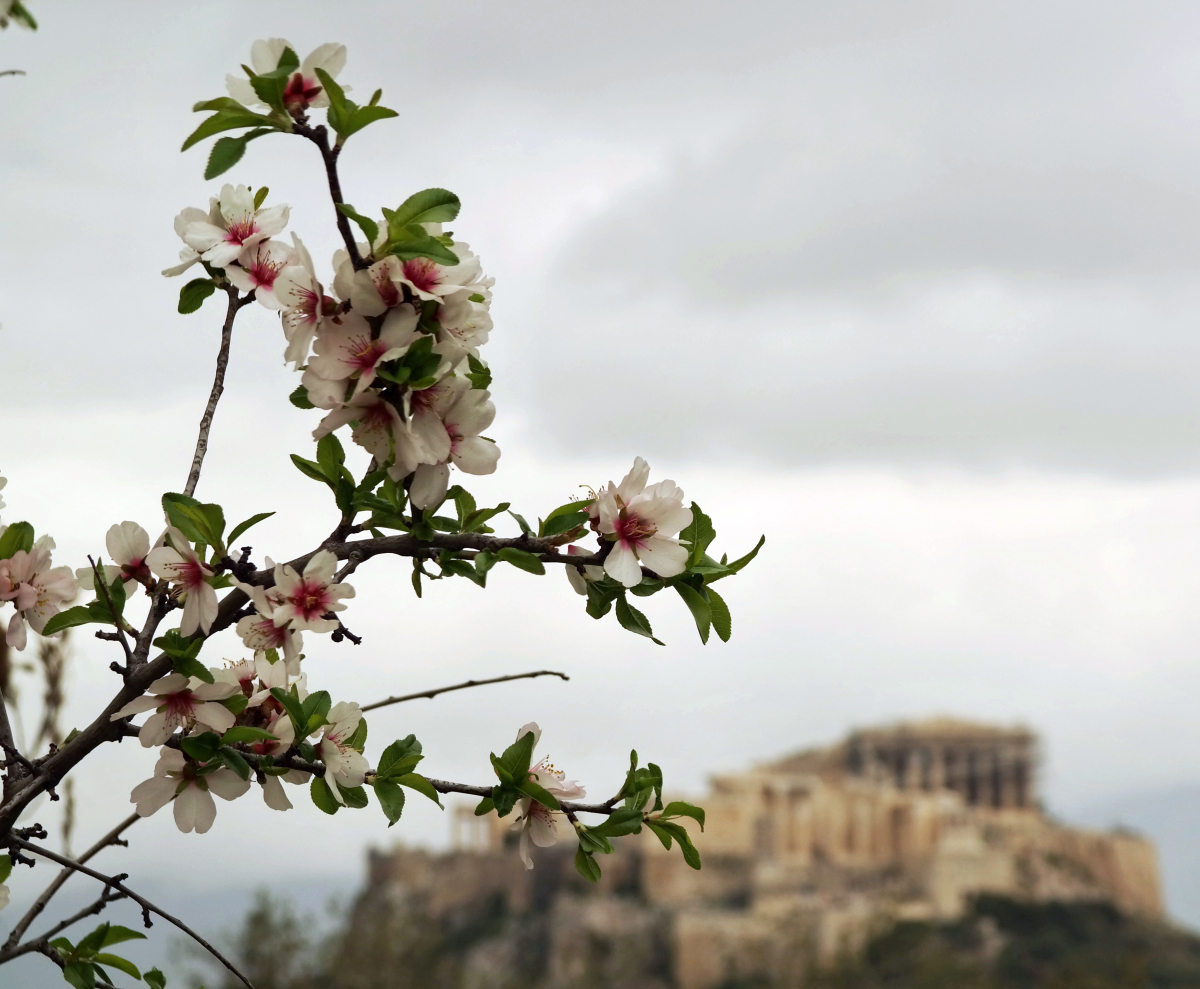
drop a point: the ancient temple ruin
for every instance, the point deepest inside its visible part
(803, 857)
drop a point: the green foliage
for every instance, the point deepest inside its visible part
(199, 523)
(512, 769)
(299, 398)
(16, 538)
(98, 611)
(633, 620)
(345, 116)
(368, 226)
(228, 151)
(522, 560)
(82, 962)
(183, 653)
(193, 294)
(241, 527)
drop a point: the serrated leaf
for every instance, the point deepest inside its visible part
(699, 608)
(365, 116)
(193, 294)
(518, 756)
(116, 961)
(680, 808)
(224, 120)
(556, 525)
(318, 789)
(299, 398)
(415, 781)
(698, 534)
(391, 799)
(540, 794)
(118, 934)
(485, 806)
(722, 621)
(241, 527)
(586, 865)
(634, 621)
(201, 747)
(521, 560)
(244, 733)
(368, 226)
(427, 206)
(741, 562)
(155, 979)
(79, 615)
(309, 469)
(18, 536)
(355, 796)
(233, 760)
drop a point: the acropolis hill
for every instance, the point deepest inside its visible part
(803, 858)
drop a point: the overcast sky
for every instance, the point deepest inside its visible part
(910, 288)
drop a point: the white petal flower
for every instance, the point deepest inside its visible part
(343, 765)
(537, 822)
(180, 702)
(304, 88)
(178, 777)
(238, 225)
(305, 598)
(258, 269)
(179, 564)
(643, 524)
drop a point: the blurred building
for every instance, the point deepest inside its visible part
(803, 858)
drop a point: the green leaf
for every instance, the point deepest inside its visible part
(661, 833)
(415, 781)
(236, 704)
(241, 527)
(699, 608)
(233, 760)
(207, 520)
(126, 966)
(358, 741)
(666, 830)
(318, 789)
(413, 242)
(586, 865)
(479, 375)
(155, 979)
(594, 844)
(192, 668)
(368, 226)
(521, 560)
(299, 398)
(291, 704)
(193, 294)
(474, 522)
(244, 733)
(563, 523)
(363, 117)
(224, 120)
(485, 806)
(633, 620)
(221, 103)
(5, 867)
(722, 621)
(228, 151)
(18, 536)
(391, 799)
(741, 562)
(622, 821)
(80, 975)
(79, 615)
(522, 523)
(313, 710)
(680, 808)
(698, 534)
(260, 197)
(427, 206)
(355, 796)
(541, 795)
(201, 747)
(331, 456)
(117, 934)
(400, 757)
(599, 601)
(518, 756)
(172, 503)
(309, 469)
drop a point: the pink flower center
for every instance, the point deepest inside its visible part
(263, 271)
(388, 291)
(631, 528)
(423, 273)
(136, 569)
(311, 599)
(300, 92)
(191, 573)
(363, 353)
(240, 231)
(181, 705)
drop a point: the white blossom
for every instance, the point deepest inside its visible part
(343, 765)
(176, 776)
(304, 303)
(128, 545)
(344, 346)
(179, 564)
(234, 225)
(303, 599)
(304, 88)
(642, 523)
(258, 269)
(536, 821)
(180, 702)
(37, 590)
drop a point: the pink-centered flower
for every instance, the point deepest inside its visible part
(642, 522)
(379, 429)
(345, 348)
(37, 590)
(238, 225)
(304, 599)
(178, 563)
(180, 702)
(180, 778)
(537, 822)
(258, 269)
(435, 282)
(128, 545)
(260, 633)
(304, 88)
(305, 304)
(343, 764)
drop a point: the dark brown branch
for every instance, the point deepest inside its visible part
(112, 838)
(206, 420)
(444, 786)
(463, 686)
(147, 907)
(102, 588)
(320, 137)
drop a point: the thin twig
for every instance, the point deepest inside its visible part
(99, 581)
(12, 72)
(112, 838)
(35, 944)
(445, 786)
(463, 686)
(147, 907)
(320, 137)
(218, 386)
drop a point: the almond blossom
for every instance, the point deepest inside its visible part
(260, 633)
(180, 702)
(37, 590)
(285, 736)
(465, 420)
(128, 545)
(343, 765)
(435, 282)
(303, 89)
(642, 523)
(304, 599)
(345, 349)
(590, 574)
(236, 225)
(258, 268)
(179, 564)
(304, 303)
(379, 430)
(536, 821)
(176, 776)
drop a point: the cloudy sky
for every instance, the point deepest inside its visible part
(910, 288)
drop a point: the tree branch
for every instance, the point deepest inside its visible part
(320, 137)
(147, 907)
(231, 311)
(112, 838)
(107, 897)
(463, 686)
